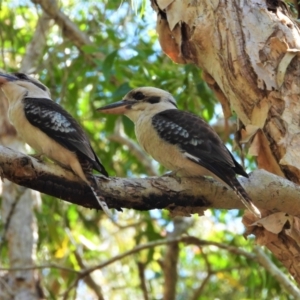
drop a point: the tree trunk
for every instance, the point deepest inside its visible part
(20, 227)
(248, 53)
(21, 232)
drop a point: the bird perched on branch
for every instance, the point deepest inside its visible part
(50, 130)
(179, 140)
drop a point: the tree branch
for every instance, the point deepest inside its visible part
(283, 280)
(69, 28)
(259, 257)
(186, 196)
(141, 270)
(188, 240)
(197, 292)
(190, 195)
(34, 49)
(170, 262)
(89, 280)
(169, 267)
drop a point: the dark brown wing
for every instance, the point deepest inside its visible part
(198, 141)
(59, 125)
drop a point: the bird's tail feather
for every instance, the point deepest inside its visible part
(244, 197)
(100, 199)
(87, 169)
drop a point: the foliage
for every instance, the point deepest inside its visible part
(126, 55)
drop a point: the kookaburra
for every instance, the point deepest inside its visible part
(49, 129)
(179, 140)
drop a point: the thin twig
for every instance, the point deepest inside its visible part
(69, 29)
(89, 279)
(187, 240)
(190, 240)
(141, 269)
(285, 282)
(7, 288)
(136, 249)
(34, 49)
(20, 191)
(197, 292)
(50, 266)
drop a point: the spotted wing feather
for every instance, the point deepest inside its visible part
(58, 124)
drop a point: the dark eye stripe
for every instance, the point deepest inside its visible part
(24, 77)
(21, 76)
(42, 87)
(153, 99)
(173, 103)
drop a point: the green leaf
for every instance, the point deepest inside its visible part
(108, 64)
(89, 49)
(121, 91)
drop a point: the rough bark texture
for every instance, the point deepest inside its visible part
(280, 233)
(180, 196)
(20, 229)
(170, 263)
(248, 51)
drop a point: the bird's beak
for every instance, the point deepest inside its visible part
(4, 78)
(117, 108)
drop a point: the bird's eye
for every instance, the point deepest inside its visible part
(138, 96)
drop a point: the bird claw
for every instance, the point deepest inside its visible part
(38, 156)
(173, 174)
(102, 177)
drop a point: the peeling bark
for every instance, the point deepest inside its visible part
(249, 53)
(280, 234)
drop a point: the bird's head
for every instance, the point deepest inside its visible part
(18, 85)
(143, 100)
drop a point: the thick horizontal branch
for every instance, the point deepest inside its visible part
(181, 196)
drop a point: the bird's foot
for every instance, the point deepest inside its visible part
(103, 177)
(173, 174)
(38, 156)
